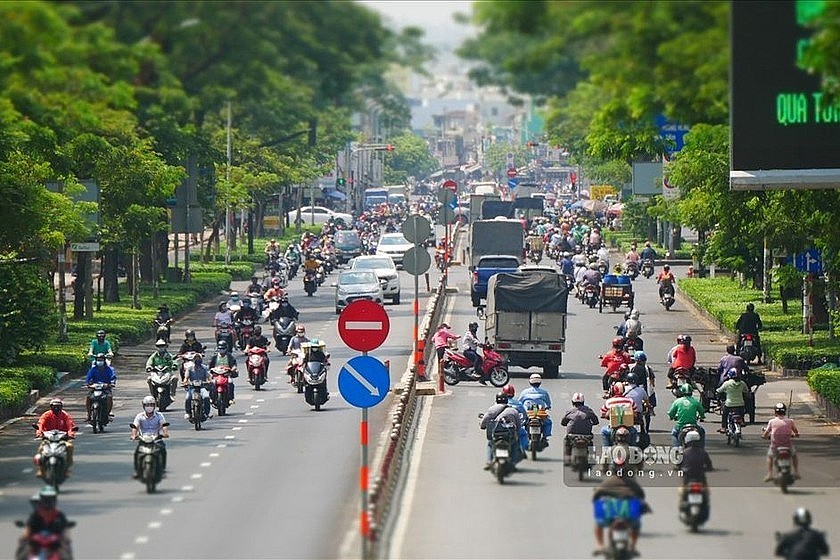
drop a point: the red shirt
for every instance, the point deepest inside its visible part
(683, 357)
(613, 359)
(51, 421)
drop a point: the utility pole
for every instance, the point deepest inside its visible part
(227, 180)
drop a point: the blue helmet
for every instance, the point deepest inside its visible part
(639, 356)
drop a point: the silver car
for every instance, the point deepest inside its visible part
(353, 285)
(393, 245)
(385, 270)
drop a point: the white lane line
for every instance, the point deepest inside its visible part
(142, 539)
(242, 421)
(166, 511)
(206, 464)
(127, 556)
(187, 488)
(221, 445)
(12, 483)
(230, 437)
(214, 455)
(255, 406)
(260, 400)
(27, 470)
(196, 476)
(154, 524)
(236, 428)
(249, 414)
(177, 499)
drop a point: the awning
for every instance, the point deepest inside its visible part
(338, 195)
(436, 174)
(471, 168)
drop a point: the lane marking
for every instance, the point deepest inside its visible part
(243, 421)
(214, 455)
(27, 470)
(236, 428)
(177, 499)
(230, 437)
(142, 539)
(206, 464)
(127, 556)
(196, 476)
(221, 445)
(260, 400)
(187, 488)
(154, 524)
(249, 414)
(255, 406)
(166, 511)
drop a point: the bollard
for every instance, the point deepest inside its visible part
(440, 377)
(418, 359)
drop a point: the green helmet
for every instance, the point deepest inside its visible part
(686, 390)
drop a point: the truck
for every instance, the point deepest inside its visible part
(375, 196)
(496, 245)
(476, 201)
(525, 318)
(396, 194)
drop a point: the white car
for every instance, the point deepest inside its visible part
(393, 245)
(322, 215)
(385, 270)
(354, 285)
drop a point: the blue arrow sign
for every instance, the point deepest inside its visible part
(512, 183)
(364, 381)
(810, 261)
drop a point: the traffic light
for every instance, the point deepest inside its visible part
(340, 182)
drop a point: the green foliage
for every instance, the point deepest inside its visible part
(787, 277)
(236, 270)
(16, 382)
(410, 158)
(27, 310)
(825, 381)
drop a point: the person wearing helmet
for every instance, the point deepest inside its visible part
(101, 372)
(646, 379)
(224, 357)
(683, 356)
(259, 340)
(566, 265)
(441, 339)
(592, 277)
(198, 372)
(469, 347)
(749, 323)
(620, 485)
(736, 392)
(694, 464)
(780, 430)
(275, 291)
(163, 321)
(246, 315)
(666, 282)
(234, 302)
(149, 422)
(612, 362)
(255, 288)
(535, 395)
(45, 518)
(100, 345)
(285, 309)
(56, 418)
(161, 358)
(649, 253)
(502, 416)
(190, 344)
(620, 410)
(633, 389)
(803, 542)
(632, 324)
(686, 410)
(296, 352)
(272, 249)
(579, 420)
(729, 361)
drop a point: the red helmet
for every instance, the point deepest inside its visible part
(618, 390)
(618, 342)
(509, 390)
(623, 368)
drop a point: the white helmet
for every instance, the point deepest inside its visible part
(692, 437)
(535, 379)
(577, 398)
(634, 314)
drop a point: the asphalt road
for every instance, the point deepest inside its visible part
(273, 479)
(451, 508)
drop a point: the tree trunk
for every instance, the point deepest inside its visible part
(676, 234)
(79, 290)
(130, 274)
(110, 274)
(212, 240)
(162, 249)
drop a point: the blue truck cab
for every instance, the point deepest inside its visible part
(486, 267)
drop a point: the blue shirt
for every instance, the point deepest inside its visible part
(536, 394)
(567, 267)
(104, 375)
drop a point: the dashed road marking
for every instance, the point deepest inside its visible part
(196, 476)
(206, 464)
(260, 400)
(127, 556)
(255, 406)
(142, 539)
(221, 445)
(230, 437)
(187, 488)
(236, 428)
(243, 421)
(154, 524)
(166, 511)
(177, 499)
(249, 414)
(27, 470)
(213, 455)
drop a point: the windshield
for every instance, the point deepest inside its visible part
(348, 278)
(347, 237)
(395, 240)
(374, 263)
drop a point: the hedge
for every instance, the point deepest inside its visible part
(237, 270)
(241, 254)
(825, 381)
(781, 337)
(18, 381)
(623, 239)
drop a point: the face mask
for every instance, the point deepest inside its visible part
(161, 351)
(56, 411)
(149, 409)
(100, 363)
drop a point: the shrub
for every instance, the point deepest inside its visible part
(825, 381)
(237, 270)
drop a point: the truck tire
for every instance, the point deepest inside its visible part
(551, 371)
(476, 301)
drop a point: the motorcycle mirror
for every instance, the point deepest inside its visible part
(71, 524)
(132, 426)
(34, 425)
(21, 524)
(74, 429)
(481, 415)
(165, 424)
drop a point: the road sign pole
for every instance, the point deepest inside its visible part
(416, 325)
(363, 475)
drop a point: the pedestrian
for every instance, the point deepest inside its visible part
(441, 339)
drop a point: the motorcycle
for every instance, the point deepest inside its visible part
(310, 285)
(284, 330)
(220, 397)
(647, 268)
(150, 461)
(536, 420)
(620, 512)
(244, 328)
(457, 368)
(320, 275)
(44, 545)
(53, 456)
(580, 446)
(225, 332)
(668, 299)
(694, 506)
(631, 269)
(257, 373)
(591, 296)
(160, 386)
(535, 256)
(198, 396)
(273, 304)
(99, 417)
(440, 259)
(783, 476)
(163, 330)
(747, 348)
(504, 438)
(315, 379)
(733, 429)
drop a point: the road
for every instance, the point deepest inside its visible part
(274, 479)
(451, 508)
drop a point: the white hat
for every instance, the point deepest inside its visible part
(535, 378)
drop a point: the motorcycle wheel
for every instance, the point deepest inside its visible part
(196, 414)
(299, 383)
(580, 472)
(450, 377)
(148, 475)
(258, 381)
(500, 473)
(51, 476)
(221, 404)
(499, 377)
(737, 440)
(316, 400)
(533, 451)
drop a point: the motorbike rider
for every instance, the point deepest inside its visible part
(686, 410)
(780, 430)
(246, 313)
(469, 347)
(750, 323)
(578, 421)
(272, 247)
(275, 291)
(56, 418)
(162, 358)
(633, 389)
(101, 372)
(100, 345)
(647, 380)
(285, 309)
(223, 357)
(254, 287)
(736, 391)
(258, 339)
(730, 361)
(234, 301)
(190, 343)
(683, 356)
(666, 282)
(566, 265)
(623, 486)
(694, 464)
(803, 543)
(603, 255)
(633, 324)
(612, 361)
(649, 253)
(223, 317)
(164, 318)
(632, 256)
(198, 372)
(592, 276)
(538, 397)
(46, 517)
(621, 411)
(149, 422)
(502, 414)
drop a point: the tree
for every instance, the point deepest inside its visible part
(410, 158)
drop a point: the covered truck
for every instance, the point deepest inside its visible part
(526, 318)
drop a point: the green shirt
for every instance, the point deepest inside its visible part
(97, 348)
(686, 410)
(156, 360)
(735, 391)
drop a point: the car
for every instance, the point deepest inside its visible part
(385, 270)
(393, 245)
(354, 285)
(347, 244)
(322, 215)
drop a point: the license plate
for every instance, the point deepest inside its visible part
(502, 453)
(748, 343)
(695, 498)
(620, 535)
(535, 430)
(784, 463)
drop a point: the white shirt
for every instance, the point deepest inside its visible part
(149, 425)
(638, 396)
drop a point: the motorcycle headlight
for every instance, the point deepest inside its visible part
(147, 449)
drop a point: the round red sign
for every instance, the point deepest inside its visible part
(511, 173)
(451, 185)
(363, 325)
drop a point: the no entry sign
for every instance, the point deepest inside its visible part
(363, 325)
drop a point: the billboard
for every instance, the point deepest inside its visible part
(783, 134)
